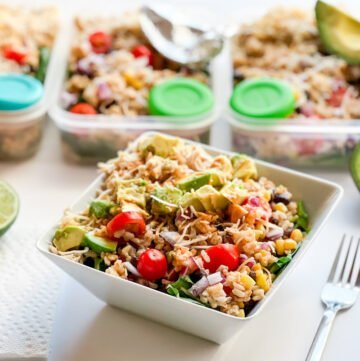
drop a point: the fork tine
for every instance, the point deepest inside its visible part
(348, 262)
(336, 267)
(356, 266)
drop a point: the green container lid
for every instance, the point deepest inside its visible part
(18, 91)
(263, 98)
(180, 97)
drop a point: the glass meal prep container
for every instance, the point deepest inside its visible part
(27, 42)
(106, 77)
(324, 124)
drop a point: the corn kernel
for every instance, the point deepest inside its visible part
(247, 281)
(280, 207)
(132, 81)
(241, 313)
(296, 235)
(267, 195)
(290, 244)
(279, 246)
(257, 267)
(241, 304)
(262, 281)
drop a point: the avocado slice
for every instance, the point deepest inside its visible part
(167, 194)
(132, 191)
(158, 144)
(211, 199)
(191, 199)
(234, 192)
(355, 165)
(100, 208)
(68, 238)
(339, 32)
(244, 167)
(99, 244)
(213, 177)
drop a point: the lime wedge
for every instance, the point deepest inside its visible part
(9, 206)
(355, 165)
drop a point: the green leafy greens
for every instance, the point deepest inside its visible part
(278, 266)
(302, 220)
(180, 289)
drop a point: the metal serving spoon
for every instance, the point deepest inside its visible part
(182, 43)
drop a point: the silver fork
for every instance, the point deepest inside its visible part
(339, 293)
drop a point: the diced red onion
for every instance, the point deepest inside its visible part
(68, 99)
(254, 201)
(215, 278)
(86, 65)
(243, 258)
(132, 269)
(170, 237)
(199, 266)
(274, 233)
(104, 92)
(265, 246)
(199, 287)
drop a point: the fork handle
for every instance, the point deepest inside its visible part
(322, 333)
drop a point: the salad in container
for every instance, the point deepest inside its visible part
(116, 86)
(27, 37)
(296, 86)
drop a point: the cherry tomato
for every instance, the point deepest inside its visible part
(152, 264)
(16, 55)
(258, 206)
(337, 97)
(83, 108)
(222, 255)
(100, 42)
(142, 51)
(227, 290)
(130, 221)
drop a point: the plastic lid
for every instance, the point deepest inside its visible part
(263, 98)
(18, 91)
(180, 97)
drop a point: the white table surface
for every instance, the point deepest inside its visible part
(87, 329)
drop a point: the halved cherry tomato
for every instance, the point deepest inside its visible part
(130, 221)
(142, 51)
(152, 264)
(222, 255)
(100, 42)
(16, 55)
(83, 108)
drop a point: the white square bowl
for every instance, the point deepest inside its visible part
(320, 198)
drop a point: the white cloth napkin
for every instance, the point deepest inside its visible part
(29, 288)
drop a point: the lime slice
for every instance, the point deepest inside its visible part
(355, 165)
(9, 206)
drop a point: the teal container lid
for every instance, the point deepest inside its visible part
(265, 98)
(180, 97)
(18, 91)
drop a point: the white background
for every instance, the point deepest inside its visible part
(87, 329)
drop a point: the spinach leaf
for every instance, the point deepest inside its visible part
(278, 266)
(176, 288)
(302, 221)
(180, 289)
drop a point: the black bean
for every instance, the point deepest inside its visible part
(282, 197)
